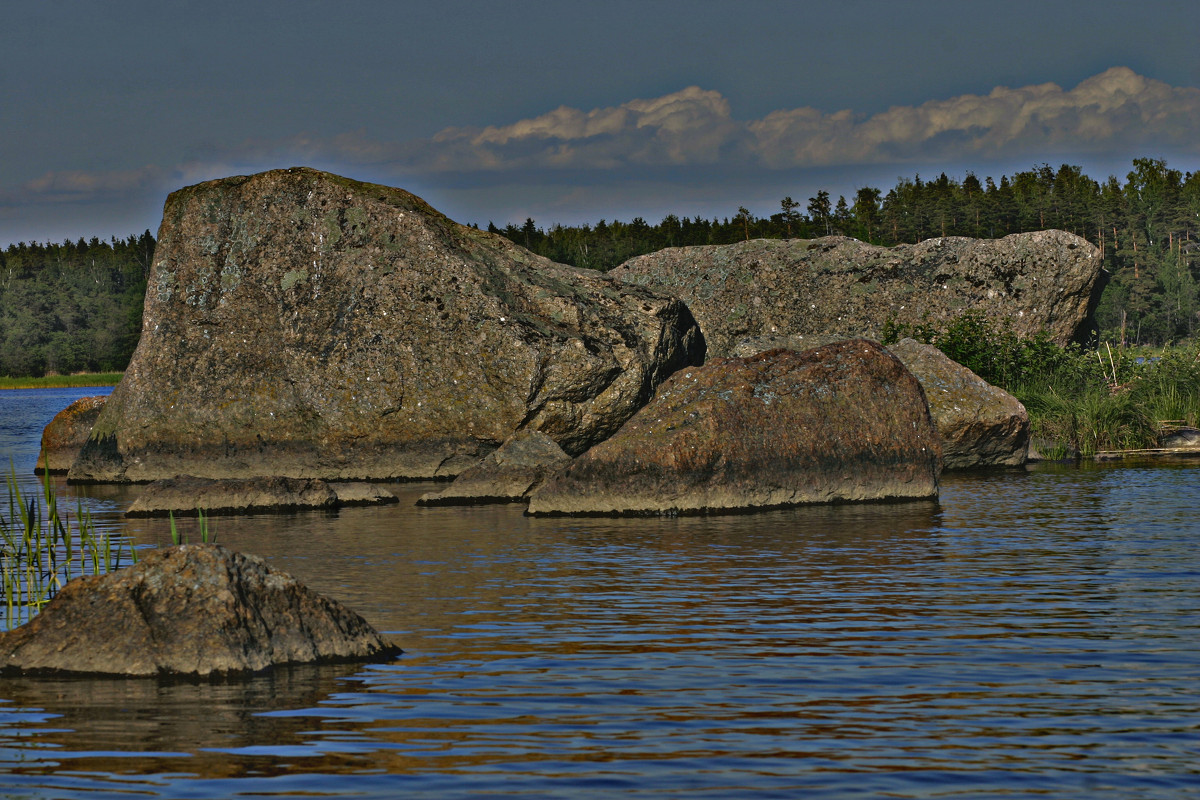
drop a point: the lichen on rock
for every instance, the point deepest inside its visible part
(307, 325)
(839, 423)
(1028, 282)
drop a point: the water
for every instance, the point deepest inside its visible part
(1036, 634)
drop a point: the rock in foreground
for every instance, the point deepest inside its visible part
(302, 324)
(184, 494)
(189, 610)
(844, 422)
(508, 475)
(980, 425)
(66, 434)
(1028, 282)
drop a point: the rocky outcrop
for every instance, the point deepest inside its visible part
(302, 324)
(508, 475)
(1028, 282)
(65, 435)
(185, 495)
(844, 422)
(188, 610)
(980, 425)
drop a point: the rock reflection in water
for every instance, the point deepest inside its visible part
(148, 726)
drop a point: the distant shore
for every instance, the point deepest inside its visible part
(62, 381)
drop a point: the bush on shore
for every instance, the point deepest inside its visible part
(1087, 400)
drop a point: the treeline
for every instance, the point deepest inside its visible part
(1147, 229)
(76, 306)
(72, 307)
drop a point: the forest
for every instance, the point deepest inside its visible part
(76, 306)
(72, 307)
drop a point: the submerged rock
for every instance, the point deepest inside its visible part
(506, 476)
(188, 610)
(1028, 282)
(65, 435)
(1182, 438)
(980, 425)
(843, 422)
(185, 494)
(298, 323)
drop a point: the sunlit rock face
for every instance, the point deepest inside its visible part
(65, 435)
(839, 423)
(193, 610)
(302, 324)
(1028, 282)
(980, 425)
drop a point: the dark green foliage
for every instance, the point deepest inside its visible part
(72, 307)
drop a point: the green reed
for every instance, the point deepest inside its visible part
(41, 548)
(206, 536)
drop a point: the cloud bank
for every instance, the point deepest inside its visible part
(1118, 113)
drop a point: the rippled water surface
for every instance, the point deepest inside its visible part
(1034, 634)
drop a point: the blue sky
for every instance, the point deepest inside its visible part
(571, 112)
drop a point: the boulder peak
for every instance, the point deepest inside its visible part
(303, 324)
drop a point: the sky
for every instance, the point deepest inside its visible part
(570, 112)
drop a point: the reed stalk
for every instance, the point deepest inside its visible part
(41, 550)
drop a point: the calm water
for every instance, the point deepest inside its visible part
(1036, 634)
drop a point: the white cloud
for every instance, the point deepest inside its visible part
(1111, 112)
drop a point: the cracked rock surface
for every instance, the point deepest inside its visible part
(305, 325)
(840, 286)
(839, 423)
(188, 610)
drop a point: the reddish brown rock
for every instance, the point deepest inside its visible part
(843, 422)
(66, 434)
(188, 610)
(1027, 282)
(302, 324)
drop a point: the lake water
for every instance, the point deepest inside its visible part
(1034, 634)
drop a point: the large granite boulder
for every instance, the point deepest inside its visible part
(836, 285)
(507, 475)
(188, 610)
(980, 425)
(302, 324)
(186, 495)
(65, 435)
(844, 422)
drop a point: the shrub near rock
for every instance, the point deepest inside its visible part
(844, 422)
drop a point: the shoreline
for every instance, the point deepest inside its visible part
(63, 381)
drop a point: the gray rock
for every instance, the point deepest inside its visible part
(189, 610)
(844, 422)
(358, 493)
(1028, 282)
(1180, 439)
(506, 476)
(65, 435)
(302, 324)
(753, 345)
(980, 425)
(184, 494)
